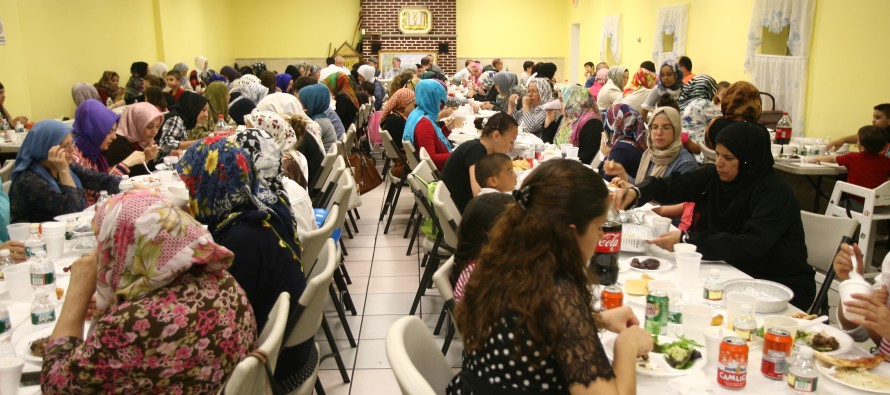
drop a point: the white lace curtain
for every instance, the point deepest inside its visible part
(784, 77)
(611, 30)
(670, 20)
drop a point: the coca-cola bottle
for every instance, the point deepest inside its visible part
(605, 259)
(783, 130)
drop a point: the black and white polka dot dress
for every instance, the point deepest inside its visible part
(577, 357)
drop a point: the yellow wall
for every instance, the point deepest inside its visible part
(512, 29)
(13, 70)
(195, 27)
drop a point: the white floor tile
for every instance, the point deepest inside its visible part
(357, 298)
(359, 284)
(381, 304)
(333, 383)
(355, 324)
(393, 285)
(376, 326)
(374, 382)
(346, 352)
(358, 269)
(372, 355)
(382, 268)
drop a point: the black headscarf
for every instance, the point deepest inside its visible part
(139, 69)
(189, 107)
(230, 73)
(749, 143)
(293, 71)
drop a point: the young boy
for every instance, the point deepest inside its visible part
(867, 168)
(880, 118)
(174, 83)
(494, 173)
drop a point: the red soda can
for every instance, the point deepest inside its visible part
(732, 363)
(612, 297)
(776, 347)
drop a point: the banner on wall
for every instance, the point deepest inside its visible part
(2, 33)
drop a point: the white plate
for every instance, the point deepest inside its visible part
(486, 113)
(3, 287)
(845, 342)
(23, 347)
(75, 216)
(827, 370)
(666, 264)
(659, 365)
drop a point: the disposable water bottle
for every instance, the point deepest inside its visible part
(5, 324)
(125, 184)
(35, 242)
(19, 127)
(713, 291)
(744, 324)
(43, 273)
(103, 196)
(221, 125)
(109, 102)
(43, 311)
(5, 125)
(802, 376)
(5, 261)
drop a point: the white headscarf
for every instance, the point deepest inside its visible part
(287, 105)
(367, 71)
(159, 69)
(201, 64)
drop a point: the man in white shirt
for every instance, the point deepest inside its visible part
(396, 67)
(526, 72)
(463, 74)
(331, 68)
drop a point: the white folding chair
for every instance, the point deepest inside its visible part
(875, 208)
(823, 235)
(393, 155)
(418, 366)
(709, 154)
(327, 164)
(447, 218)
(442, 279)
(410, 154)
(310, 309)
(6, 170)
(329, 185)
(249, 376)
(6, 185)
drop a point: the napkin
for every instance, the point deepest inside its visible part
(695, 382)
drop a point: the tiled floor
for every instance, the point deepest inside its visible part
(384, 282)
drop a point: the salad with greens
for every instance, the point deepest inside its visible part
(680, 354)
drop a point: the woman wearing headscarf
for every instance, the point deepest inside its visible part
(670, 82)
(288, 106)
(284, 83)
(638, 91)
(138, 126)
(162, 285)
(230, 74)
(602, 76)
(138, 71)
(746, 214)
(366, 73)
(740, 103)
(665, 155)
(159, 69)
(297, 147)
(316, 99)
(395, 112)
(108, 88)
(581, 125)
(45, 182)
(225, 194)
(697, 106)
(613, 89)
(250, 95)
(217, 95)
(183, 70)
(82, 92)
(346, 104)
(624, 141)
(532, 118)
(505, 84)
(268, 79)
(176, 133)
(94, 130)
(422, 128)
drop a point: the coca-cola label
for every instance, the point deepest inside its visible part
(610, 243)
(783, 133)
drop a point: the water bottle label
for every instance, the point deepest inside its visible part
(43, 278)
(802, 384)
(32, 252)
(5, 325)
(43, 317)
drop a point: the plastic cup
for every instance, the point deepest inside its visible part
(18, 279)
(714, 335)
(779, 321)
(662, 225)
(776, 149)
(18, 232)
(684, 247)
(696, 317)
(688, 265)
(166, 177)
(563, 148)
(572, 152)
(847, 289)
(734, 302)
(55, 246)
(10, 374)
(51, 228)
(10, 136)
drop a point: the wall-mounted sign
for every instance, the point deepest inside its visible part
(2, 33)
(415, 20)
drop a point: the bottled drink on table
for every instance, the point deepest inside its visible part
(783, 130)
(713, 290)
(221, 125)
(744, 324)
(802, 376)
(732, 363)
(605, 259)
(103, 196)
(43, 310)
(43, 273)
(5, 324)
(109, 102)
(35, 242)
(125, 184)
(5, 125)
(5, 261)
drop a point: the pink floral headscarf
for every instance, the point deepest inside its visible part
(134, 120)
(144, 243)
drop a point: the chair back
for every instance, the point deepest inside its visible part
(313, 241)
(327, 163)
(442, 279)
(250, 373)
(418, 177)
(447, 214)
(823, 235)
(419, 366)
(6, 170)
(424, 156)
(348, 142)
(312, 301)
(329, 187)
(389, 146)
(709, 154)
(410, 154)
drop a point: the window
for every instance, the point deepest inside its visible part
(775, 43)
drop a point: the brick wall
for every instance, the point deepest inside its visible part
(382, 17)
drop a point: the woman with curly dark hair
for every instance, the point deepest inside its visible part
(526, 315)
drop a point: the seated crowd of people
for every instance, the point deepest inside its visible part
(238, 240)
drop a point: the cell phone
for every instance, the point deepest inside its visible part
(30, 378)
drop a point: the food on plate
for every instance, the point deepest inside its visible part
(818, 341)
(38, 347)
(680, 354)
(861, 377)
(60, 292)
(863, 362)
(648, 263)
(803, 316)
(717, 320)
(521, 164)
(638, 286)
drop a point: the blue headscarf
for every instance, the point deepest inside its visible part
(678, 75)
(282, 81)
(429, 95)
(317, 99)
(92, 122)
(45, 135)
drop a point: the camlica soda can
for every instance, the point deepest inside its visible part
(732, 363)
(776, 347)
(612, 297)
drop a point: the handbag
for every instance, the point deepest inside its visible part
(365, 171)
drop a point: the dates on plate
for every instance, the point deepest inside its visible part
(647, 264)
